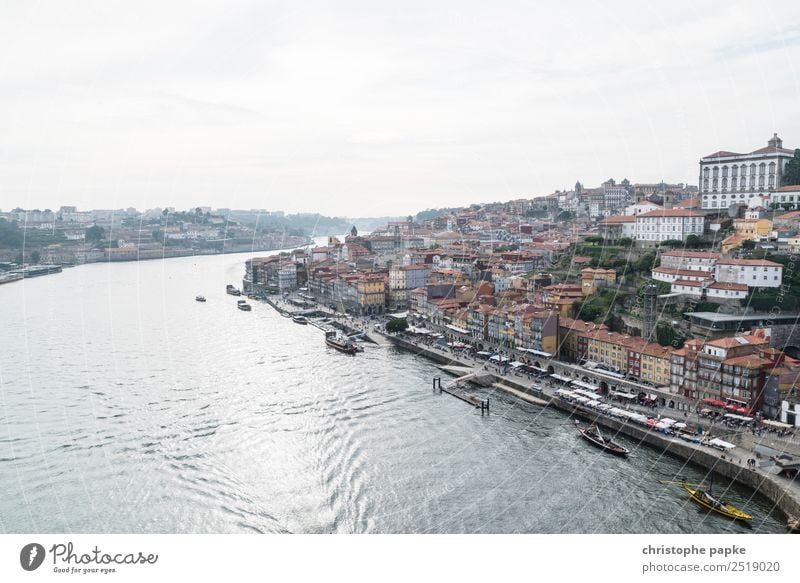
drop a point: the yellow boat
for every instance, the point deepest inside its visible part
(707, 501)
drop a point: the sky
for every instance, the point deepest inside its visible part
(375, 108)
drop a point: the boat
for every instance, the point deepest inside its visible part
(299, 320)
(340, 343)
(231, 290)
(706, 500)
(592, 435)
(244, 306)
(199, 298)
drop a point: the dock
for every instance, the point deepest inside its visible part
(457, 392)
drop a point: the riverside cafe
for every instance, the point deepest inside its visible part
(709, 407)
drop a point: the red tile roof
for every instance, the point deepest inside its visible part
(749, 262)
(676, 212)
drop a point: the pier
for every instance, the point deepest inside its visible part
(456, 391)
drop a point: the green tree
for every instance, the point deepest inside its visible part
(397, 325)
(671, 243)
(565, 216)
(594, 239)
(35, 257)
(625, 242)
(748, 245)
(693, 241)
(791, 172)
(95, 233)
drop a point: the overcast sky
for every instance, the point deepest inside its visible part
(375, 108)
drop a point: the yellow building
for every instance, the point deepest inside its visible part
(752, 228)
(656, 364)
(371, 292)
(592, 278)
(728, 244)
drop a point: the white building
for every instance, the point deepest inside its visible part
(750, 272)
(641, 207)
(728, 178)
(664, 224)
(690, 260)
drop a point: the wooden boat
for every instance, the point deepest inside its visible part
(706, 500)
(199, 299)
(244, 306)
(299, 320)
(592, 435)
(231, 290)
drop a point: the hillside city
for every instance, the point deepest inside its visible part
(689, 289)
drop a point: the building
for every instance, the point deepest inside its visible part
(751, 272)
(615, 228)
(730, 178)
(592, 278)
(786, 197)
(371, 294)
(667, 224)
(689, 260)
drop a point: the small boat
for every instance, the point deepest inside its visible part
(592, 435)
(340, 343)
(706, 500)
(231, 290)
(199, 298)
(244, 306)
(299, 320)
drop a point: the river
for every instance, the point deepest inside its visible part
(127, 407)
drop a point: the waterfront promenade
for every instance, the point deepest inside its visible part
(783, 492)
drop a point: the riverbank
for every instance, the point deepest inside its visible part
(784, 493)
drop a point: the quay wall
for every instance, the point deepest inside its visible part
(767, 485)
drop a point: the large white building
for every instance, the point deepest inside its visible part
(730, 178)
(751, 272)
(664, 224)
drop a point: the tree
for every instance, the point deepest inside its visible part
(692, 241)
(95, 233)
(594, 239)
(397, 325)
(748, 245)
(565, 216)
(791, 172)
(667, 336)
(35, 257)
(671, 243)
(625, 242)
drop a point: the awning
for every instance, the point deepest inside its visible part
(457, 329)
(558, 377)
(772, 423)
(714, 402)
(484, 353)
(517, 364)
(585, 385)
(719, 443)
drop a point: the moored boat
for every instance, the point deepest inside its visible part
(231, 290)
(592, 435)
(244, 306)
(299, 320)
(706, 500)
(200, 299)
(340, 343)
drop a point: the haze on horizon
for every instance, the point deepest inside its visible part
(360, 109)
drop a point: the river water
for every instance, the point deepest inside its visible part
(127, 407)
